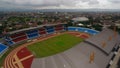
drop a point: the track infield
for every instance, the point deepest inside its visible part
(54, 45)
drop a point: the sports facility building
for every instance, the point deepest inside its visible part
(96, 51)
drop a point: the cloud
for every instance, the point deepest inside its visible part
(115, 1)
(110, 4)
(92, 2)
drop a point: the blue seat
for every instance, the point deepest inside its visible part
(10, 42)
(32, 31)
(49, 27)
(80, 29)
(3, 48)
(33, 35)
(65, 28)
(50, 31)
(71, 28)
(7, 38)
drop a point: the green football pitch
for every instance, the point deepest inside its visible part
(54, 45)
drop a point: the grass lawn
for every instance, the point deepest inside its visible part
(54, 45)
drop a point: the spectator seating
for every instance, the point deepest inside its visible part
(50, 29)
(9, 41)
(32, 31)
(59, 27)
(65, 27)
(81, 29)
(18, 37)
(3, 49)
(86, 30)
(32, 34)
(42, 31)
(71, 29)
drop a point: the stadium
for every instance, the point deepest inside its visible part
(60, 46)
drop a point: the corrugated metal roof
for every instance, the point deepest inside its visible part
(31, 28)
(103, 39)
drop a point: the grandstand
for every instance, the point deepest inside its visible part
(18, 36)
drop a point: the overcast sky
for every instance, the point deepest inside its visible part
(61, 4)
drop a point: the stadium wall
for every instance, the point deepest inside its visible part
(85, 30)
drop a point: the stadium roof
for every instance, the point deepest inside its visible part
(106, 37)
(31, 28)
(80, 19)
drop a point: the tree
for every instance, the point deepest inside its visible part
(70, 23)
(97, 27)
